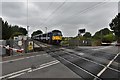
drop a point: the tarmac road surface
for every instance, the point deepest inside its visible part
(95, 63)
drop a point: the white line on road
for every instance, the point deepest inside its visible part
(19, 59)
(15, 73)
(87, 59)
(103, 70)
(18, 73)
(79, 68)
(102, 48)
(45, 65)
(69, 50)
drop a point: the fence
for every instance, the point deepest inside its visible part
(76, 42)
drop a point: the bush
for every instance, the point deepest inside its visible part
(96, 43)
(108, 38)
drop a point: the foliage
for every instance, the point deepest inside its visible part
(108, 38)
(9, 31)
(115, 26)
(87, 35)
(16, 34)
(101, 33)
(36, 32)
(96, 43)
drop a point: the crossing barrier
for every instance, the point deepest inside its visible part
(13, 49)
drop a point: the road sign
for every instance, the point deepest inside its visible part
(21, 37)
(15, 38)
(20, 43)
(30, 45)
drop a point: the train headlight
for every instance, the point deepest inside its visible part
(57, 38)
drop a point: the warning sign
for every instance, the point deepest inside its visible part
(30, 45)
(20, 43)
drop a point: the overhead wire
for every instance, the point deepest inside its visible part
(99, 3)
(91, 8)
(53, 13)
(88, 9)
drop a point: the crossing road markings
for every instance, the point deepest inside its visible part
(80, 68)
(28, 70)
(92, 61)
(88, 59)
(103, 70)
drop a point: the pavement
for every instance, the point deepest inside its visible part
(95, 63)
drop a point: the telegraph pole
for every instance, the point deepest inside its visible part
(27, 31)
(101, 36)
(46, 29)
(0, 28)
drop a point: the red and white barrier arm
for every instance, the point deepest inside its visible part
(13, 49)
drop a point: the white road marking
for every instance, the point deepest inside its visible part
(18, 73)
(15, 73)
(73, 51)
(12, 60)
(79, 68)
(38, 55)
(20, 54)
(86, 59)
(19, 59)
(92, 61)
(47, 65)
(102, 48)
(44, 54)
(102, 71)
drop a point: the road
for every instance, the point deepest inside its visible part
(95, 63)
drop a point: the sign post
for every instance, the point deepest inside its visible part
(30, 45)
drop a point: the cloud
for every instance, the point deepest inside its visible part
(67, 17)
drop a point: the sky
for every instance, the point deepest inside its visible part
(67, 16)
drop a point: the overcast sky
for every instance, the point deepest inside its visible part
(65, 16)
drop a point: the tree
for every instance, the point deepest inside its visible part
(115, 26)
(108, 38)
(22, 30)
(9, 31)
(16, 34)
(101, 33)
(36, 32)
(87, 35)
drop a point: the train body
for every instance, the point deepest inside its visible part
(53, 37)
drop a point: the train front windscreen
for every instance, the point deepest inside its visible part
(57, 36)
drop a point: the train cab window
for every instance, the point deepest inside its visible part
(57, 34)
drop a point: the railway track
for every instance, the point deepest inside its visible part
(87, 63)
(82, 64)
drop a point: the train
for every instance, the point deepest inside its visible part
(53, 37)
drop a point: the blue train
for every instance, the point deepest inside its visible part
(53, 37)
